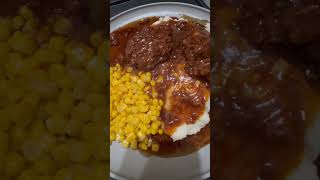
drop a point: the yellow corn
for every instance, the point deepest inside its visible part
(134, 114)
(30, 26)
(5, 28)
(4, 120)
(155, 147)
(4, 140)
(18, 22)
(26, 12)
(22, 42)
(63, 174)
(14, 164)
(60, 154)
(55, 87)
(56, 124)
(57, 43)
(143, 146)
(96, 39)
(79, 152)
(62, 26)
(45, 166)
(28, 174)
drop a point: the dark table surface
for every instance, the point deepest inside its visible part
(118, 6)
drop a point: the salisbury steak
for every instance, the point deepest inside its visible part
(179, 41)
(197, 52)
(149, 47)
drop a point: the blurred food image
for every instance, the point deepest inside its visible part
(159, 91)
(53, 85)
(265, 82)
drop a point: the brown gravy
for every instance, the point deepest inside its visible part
(164, 56)
(262, 106)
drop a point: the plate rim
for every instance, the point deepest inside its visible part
(113, 174)
(155, 4)
(203, 176)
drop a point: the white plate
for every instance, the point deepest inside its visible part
(207, 2)
(131, 165)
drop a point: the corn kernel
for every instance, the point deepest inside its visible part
(4, 49)
(14, 164)
(73, 127)
(56, 124)
(154, 131)
(18, 22)
(43, 35)
(160, 79)
(57, 43)
(134, 145)
(96, 39)
(154, 125)
(96, 99)
(79, 152)
(4, 145)
(5, 28)
(153, 83)
(26, 12)
(99, 149)
(44, 178)
(60, 154)
(77, 54)
(125, 143)
(155, 147)
(82, 112)
(23, 43)
(48, 56)
(45, 166)
(27, 174)
(18, 135)
(143, 146)
(103, 50)
(4, 120)
(141, 136)
(30, 26)
(62, 26)
(64, 174)
(65, 102)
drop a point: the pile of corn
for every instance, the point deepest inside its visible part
(134, 113)
(53, 101)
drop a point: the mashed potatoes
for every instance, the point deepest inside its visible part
(185, 129)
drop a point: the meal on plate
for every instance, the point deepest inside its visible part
(159, 85)
(53, 107)
(265, 86)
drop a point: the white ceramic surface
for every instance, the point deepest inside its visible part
(131, 165)
(207, 2)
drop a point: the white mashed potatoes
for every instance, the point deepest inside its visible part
(168, 18)
(184, 130)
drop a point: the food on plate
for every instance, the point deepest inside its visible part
(134, 114)
(160, 73)
(53, 99)
(266, 106)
